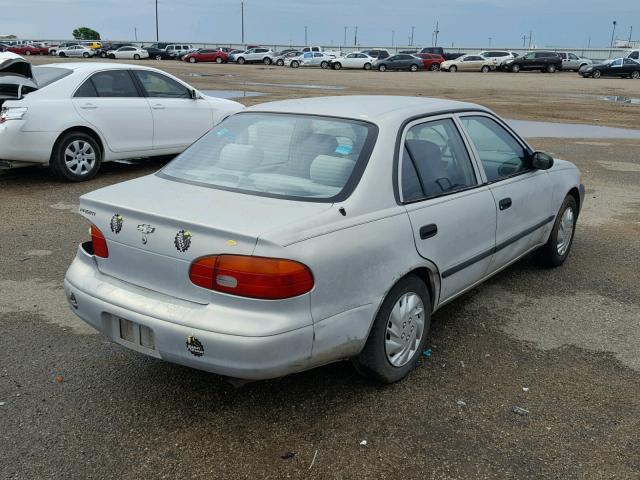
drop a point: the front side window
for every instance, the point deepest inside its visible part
(573, 57)
(500, 153)
(114, 83)
(291, 156)
(634, 55)
(617, 63)
(158, 85)
(435, 161)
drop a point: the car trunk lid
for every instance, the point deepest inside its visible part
(16, 77)
(156, 227)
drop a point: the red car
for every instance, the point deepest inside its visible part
(430, 61)
(206, 55)
(24, 50)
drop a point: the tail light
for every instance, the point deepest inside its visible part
(254, 277)
(99, 243)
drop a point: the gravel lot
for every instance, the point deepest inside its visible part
(563, 344)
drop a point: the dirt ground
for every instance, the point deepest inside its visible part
(563, 344)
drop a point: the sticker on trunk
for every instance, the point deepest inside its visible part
(183, 240)
(116, 223)
(195, 346)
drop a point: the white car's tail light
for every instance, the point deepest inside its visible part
(12, 113)
(100, 248)
(254, 277)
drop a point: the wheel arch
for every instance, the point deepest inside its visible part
(80, 128)
(575, 193)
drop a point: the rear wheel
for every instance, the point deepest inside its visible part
(158, 57)
(324, 64)
(635, 75)
(192, 59)
(382, 68)
(76, 157)
(413, 68)
(337, 66)
(28, 52)
(62, 54)
(103, 54)
(434, 67)
(485, 69)
(367, 66)
(597, 74)
(266, 61)
(112, 56)
(556, 250)
(280, 63)
(295, 64)
(136, 57)
(515, 68)
(399, 332)
(551, 68)
(219, 60)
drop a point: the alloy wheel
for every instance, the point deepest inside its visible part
(79, 157)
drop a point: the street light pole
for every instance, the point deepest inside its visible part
(355, 36)
(393, 38)
(345, 36)
(242, 20)
(613, 32)
(411, 42)
(489, 42)
(157, 34)
(305, 35)
(435, 34)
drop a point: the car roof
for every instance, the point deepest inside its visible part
(374, 108)
(94, 66)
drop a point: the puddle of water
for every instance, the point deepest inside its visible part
(621, 99)
(298, 85)
(530, 129)
(232, 93)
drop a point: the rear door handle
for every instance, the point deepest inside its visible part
(88, 106)
(158, 107)
(428, 231)
(504, 203)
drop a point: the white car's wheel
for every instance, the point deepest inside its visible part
(453, 68)
(324, 64)
(62, 54)
(136, 57)
(556, 250)
(295, 64)
(485, 69)
(266, 61)
(399, 332)
(76, 157)
(240, 60)
(337, 65)
(367, 66)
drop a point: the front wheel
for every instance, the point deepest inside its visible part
(635, 75)
(382, 68)
(556, 250)
(485, 69)
(136, 57)
(219, 60)
(295, 64)
(240, 61)
(515, 68)
(27, 53)
(453, 68)
(280, 63)
(337, 66)
(76, 157)
(551, 69)
(192, 59)
(413, 68)
(62, 54)
(324, 64)
(434, 67)
(112, 56)
(367, 66)
(266, 61)
(399, 332)
(158, 57)
(597, 74)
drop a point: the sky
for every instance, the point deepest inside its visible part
(570, 23)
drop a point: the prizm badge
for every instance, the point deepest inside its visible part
(145, 229)
(87, 212)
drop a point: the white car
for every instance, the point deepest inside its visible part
(128, 53)
(75, 116)
(498, 56)
(352, 60)
(76, 51)
(254, 55)
(310, 59)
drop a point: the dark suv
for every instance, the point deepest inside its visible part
(538, 60)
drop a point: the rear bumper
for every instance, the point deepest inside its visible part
(18, 145)
(101, 301)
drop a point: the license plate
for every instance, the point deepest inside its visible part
(137, 334)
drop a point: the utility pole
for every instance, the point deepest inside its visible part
(393, 38)
(589, 43)
(530, 36)
(411, 41)
(489, 42)
(435, 34)
(630, 32)
(355, 35)
(305, 36)
(157, 34)
(613, 32)
(242, 20)
(135, 33)
(345, 36)
(524, 40)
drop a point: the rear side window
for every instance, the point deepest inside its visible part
(500, 153)
(435, 161)
(86, 90)
(114, 83)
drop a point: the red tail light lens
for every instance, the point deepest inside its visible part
(99, 243)
(254, 277)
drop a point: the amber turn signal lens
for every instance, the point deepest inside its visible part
(99, 243)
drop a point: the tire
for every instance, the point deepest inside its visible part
(557, 248)
(453, 68)
(375, 360)
(192, 60)
(382, 68)
(367, 66)
(112, 56)
(551, 68)
(337, 66)
(485, 69)
(62, 157)
(267, 61)
(136, 57)
(240, 61)
(27, 53)
(324, 64)
(413, 68)
(515, 68)
(434, 67)
(596, 74)
(158, 57)
(218, 60)
(85, 55)
(635, 75)
(280, 63)
(62, 54)
(53, 52)
(295, 64)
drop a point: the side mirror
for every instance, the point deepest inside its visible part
(193, 94)
(541, 161)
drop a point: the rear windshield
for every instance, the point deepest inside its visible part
(300, 157)
(47, 75)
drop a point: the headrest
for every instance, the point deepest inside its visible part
(424, 149)
(235, 156)
(332, 171)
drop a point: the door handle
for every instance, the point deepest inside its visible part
(88, 106)
(504, 203)
(428, 231)
(158, 107)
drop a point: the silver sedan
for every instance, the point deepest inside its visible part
(303, 232)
